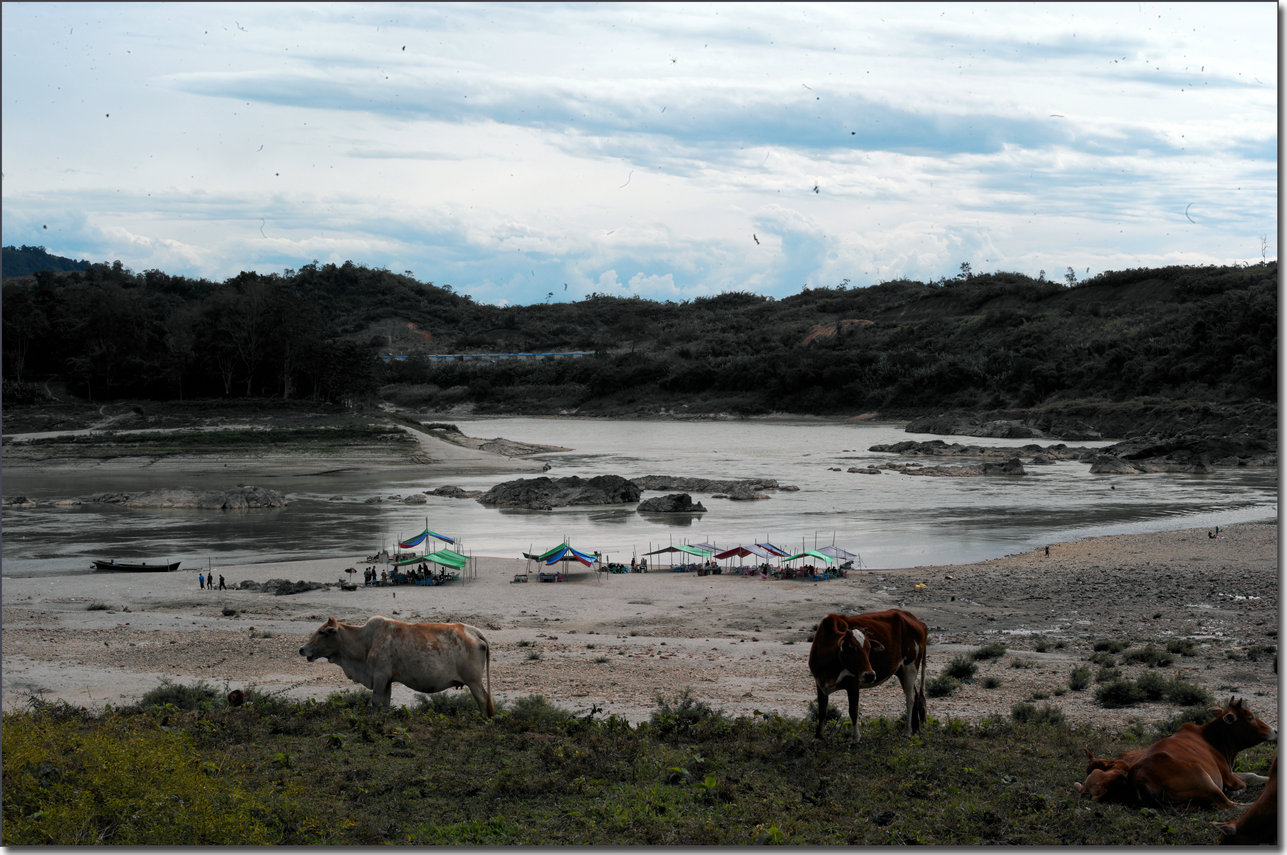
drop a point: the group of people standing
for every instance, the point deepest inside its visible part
(204, 581)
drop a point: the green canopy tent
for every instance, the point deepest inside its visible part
(682, 548)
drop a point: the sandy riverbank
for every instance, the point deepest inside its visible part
(618, 641)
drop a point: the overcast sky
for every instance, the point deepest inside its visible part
(525, 152)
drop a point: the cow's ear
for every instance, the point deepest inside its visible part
(1216, 711)
(876, 646)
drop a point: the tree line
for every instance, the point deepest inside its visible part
(975, 341)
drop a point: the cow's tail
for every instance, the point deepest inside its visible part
(920, 712)
(491, 707)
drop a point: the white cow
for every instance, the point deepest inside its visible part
(424, 657)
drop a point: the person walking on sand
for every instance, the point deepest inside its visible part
(201, 581)
(221, 585)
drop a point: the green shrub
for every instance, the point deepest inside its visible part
(961, 668)
(535, 710)
(1181, 647)
(1108, 645)
(1186, 694)
(198, 696)
(685, 714)
(993, 650)
(1152, 686)
(1118, 693)
(1079, 679)
(1103, 660)
(942, 686)
(990, 682)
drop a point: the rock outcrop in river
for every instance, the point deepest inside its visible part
(673, 503)
(545, 493)
(233, 499)
(689, 484)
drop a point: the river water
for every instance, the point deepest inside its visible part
(890, 520)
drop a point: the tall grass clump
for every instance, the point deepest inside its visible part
(1079, 679)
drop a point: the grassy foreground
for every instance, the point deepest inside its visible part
(184, 767)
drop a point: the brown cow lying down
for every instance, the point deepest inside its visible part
(1191, 766)
(1258, 826)
(424, 657)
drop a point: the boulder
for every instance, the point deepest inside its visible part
(416, 499)
(675, 503)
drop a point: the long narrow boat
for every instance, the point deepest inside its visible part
(133, 567)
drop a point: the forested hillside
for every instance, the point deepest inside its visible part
(1192, 334)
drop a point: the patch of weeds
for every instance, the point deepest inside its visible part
(533, 655)
(992, 650)
(833, 711)
(524, 642)
(600, 660)
(1254, 653)
(1038, 696)
(1150, 655)
(1103, 659)
(1109, 645)
(1042, 646)
(349, 699)
(990, 682)
(961, 668)
(1182, 647)
(98, 607)
(1107, 675)
(942, 686)
(449, 703)
(1194, 714)
(1025, 713)
(1079, 679)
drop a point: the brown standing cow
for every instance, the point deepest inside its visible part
(855, 652)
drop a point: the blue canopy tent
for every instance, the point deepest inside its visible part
(562, 553)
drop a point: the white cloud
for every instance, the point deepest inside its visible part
(510, 149)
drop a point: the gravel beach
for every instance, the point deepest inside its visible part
(618, 641)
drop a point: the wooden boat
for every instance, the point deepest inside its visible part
(135, 567)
